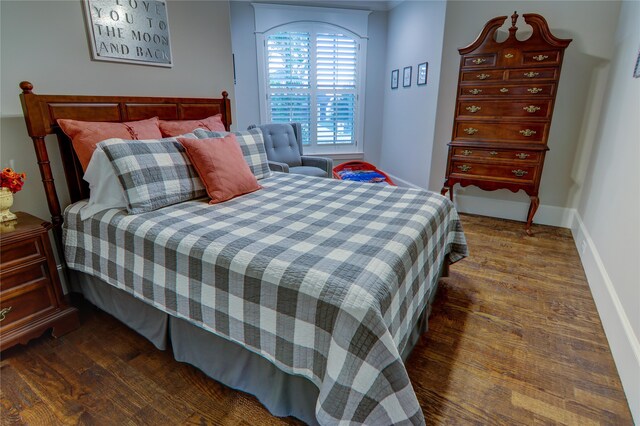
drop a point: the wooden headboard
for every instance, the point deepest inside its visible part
(42, 111)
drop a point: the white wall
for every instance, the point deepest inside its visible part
(590, 24)
(415, 32)
(608, 217)
(45, 42)
(244, 50)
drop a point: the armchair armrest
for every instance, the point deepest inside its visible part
(278, 167)
(323, 163)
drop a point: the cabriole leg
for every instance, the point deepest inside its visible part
(533, 207)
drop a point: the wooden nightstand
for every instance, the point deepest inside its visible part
(31, 298)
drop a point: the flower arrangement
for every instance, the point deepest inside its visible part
(12, 180)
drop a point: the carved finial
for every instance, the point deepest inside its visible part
(513, 28)
(26, 87)
(224, 94)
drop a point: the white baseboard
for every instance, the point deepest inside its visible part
(505, 209)
(401, 182)
(623, 342)
(514, 210)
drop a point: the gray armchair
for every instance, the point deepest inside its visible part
(283, 143)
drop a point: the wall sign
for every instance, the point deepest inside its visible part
(131, 31)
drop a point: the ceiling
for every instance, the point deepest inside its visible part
(344, 4)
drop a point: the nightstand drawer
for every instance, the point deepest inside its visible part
(23, 275)
(25, 305)
(21, 252)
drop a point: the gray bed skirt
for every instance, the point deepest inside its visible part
(227, 362)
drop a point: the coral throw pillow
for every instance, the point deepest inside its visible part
(221, 166)
(180, 127)
(85, 135)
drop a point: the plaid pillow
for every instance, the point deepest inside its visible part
(154, 173)
(252, 145)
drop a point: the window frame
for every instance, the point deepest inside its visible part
(315, 27)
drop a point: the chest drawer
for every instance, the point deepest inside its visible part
(21, 252)
(529, 109)
(488, 75)
(531, 74)
(479, 60)
(515, 156)
(506, 172)
(23, 306)
(544, 57)
(500, 132)
(507, 90)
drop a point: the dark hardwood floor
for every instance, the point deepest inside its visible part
(514, 338)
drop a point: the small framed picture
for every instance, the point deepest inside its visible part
(395, 75)
(422, 73)
(406, 77)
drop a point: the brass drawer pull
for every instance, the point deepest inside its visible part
(519, 172)
(534, 90)
(475, 91)
(479, 61)
(531, 108)
(522, 155)
(464, 168)
(483, 76)
(504, 90)
(470, 131)
(467, 152)
(493, 152)
(527, 132)
(4, 312)
(473, 109)
(531, 74)
(508, 55)
(540, 58)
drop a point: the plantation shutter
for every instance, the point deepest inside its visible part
(289, 74)
(336, 87)
(312, 79)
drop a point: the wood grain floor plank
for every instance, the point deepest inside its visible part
(514, 339)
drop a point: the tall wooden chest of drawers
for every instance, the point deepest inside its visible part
(506, 92)
(31, 299)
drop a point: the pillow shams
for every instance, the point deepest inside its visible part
(252, 145)
(153, 174)
(85, 135)
(180, 127)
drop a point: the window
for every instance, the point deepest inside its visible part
(311, 74)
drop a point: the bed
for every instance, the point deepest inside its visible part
(309, 293)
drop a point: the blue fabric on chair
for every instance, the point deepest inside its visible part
(283, 143)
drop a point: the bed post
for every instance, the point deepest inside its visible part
(30, 105)
(37, 132)
(227, 109)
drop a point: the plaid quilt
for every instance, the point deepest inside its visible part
(324, 278)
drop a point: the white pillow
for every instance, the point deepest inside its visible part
(105, 189)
